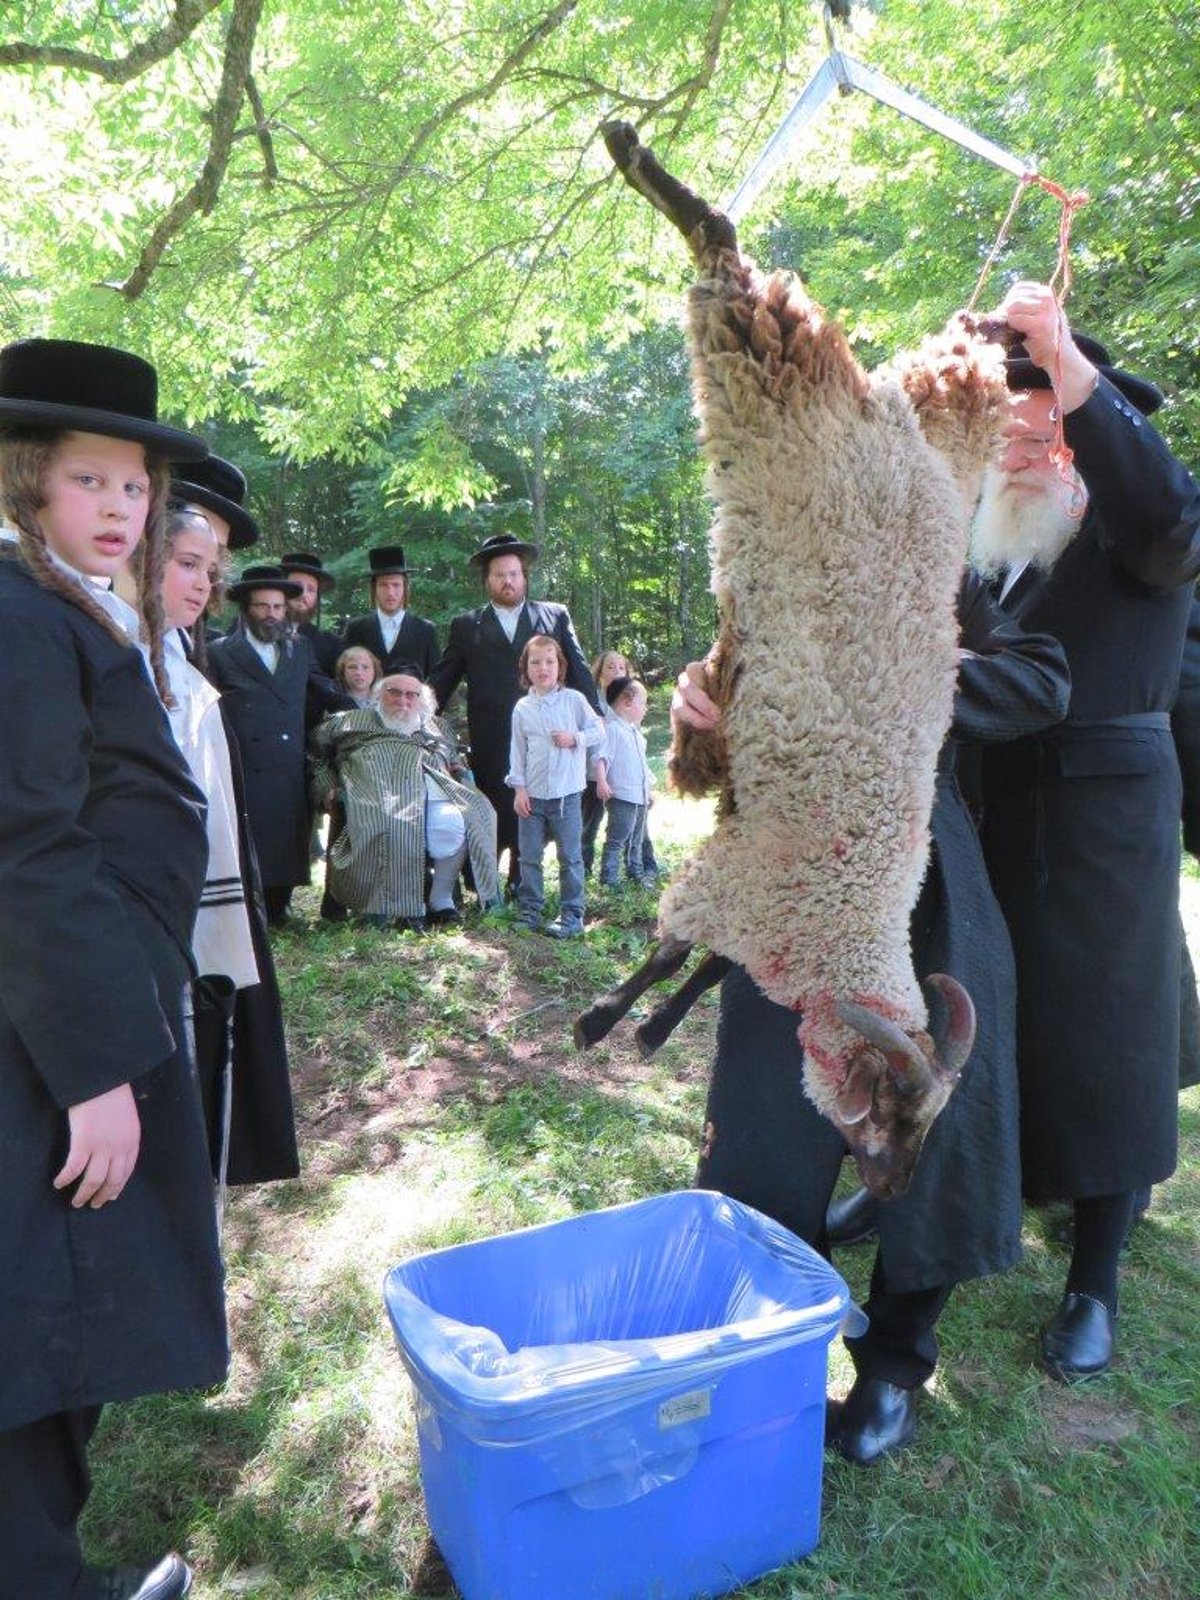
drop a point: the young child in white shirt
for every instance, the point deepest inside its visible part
(627, 783)
(553, 729)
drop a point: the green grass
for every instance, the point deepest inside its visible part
(441, 1100)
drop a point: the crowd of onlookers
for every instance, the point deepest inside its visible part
(554, 750)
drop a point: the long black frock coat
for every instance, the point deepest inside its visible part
(1081, 825)
(325, 645)
(102, 859)
(478, 649)
(268, 713)
(262, 1123)
(1185, 730)
(416, 643)
(766, 1144)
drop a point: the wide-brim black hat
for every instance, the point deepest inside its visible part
(504, 544)
(387, 561)
(88, 388)
(263, 578)
(307, 561)
(1022, 373)
(217, 485)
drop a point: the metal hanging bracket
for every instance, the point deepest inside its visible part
(843, 73)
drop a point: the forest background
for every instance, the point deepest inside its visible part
(381, 257)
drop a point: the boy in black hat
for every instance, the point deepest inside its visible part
(484, 647)
(392, 633)
(110, 1274)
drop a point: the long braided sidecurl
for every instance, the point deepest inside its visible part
(25, 457)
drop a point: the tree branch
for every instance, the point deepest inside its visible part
(202, 196)
(510, 65)
(262, 131)
(188, 16)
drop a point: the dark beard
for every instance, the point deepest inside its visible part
(267, 630)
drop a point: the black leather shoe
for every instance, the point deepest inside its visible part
(169, 1580)
(449, 916)
(877, 1418)
(1079, 1342)
(853, 1220)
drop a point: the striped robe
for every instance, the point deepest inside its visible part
(377, 862)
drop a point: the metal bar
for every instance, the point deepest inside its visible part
(890, 94)
(840, 71)
(809, 101)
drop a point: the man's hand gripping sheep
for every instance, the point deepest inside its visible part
(842, 502)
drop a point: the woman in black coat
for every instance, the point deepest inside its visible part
(110, 1275)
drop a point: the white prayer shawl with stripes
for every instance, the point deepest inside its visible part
(382, 778)
(221, 942)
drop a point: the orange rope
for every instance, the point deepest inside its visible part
(1061, 453)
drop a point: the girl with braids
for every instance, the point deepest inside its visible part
(110, 1273)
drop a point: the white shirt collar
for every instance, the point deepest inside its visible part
(102, 591)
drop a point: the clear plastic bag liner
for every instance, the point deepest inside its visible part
(529, 1335)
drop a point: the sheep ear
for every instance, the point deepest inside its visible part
(855, 1097)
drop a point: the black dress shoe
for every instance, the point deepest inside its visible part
(448, 916)
(1079, 1342)
(877, 1418)
(169, 1580)
(853, 1220)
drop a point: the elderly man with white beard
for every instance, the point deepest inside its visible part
(1098, 545)
(393, 775)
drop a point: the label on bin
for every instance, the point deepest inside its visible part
(685, 1408)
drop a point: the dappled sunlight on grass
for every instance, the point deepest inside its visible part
(441, 1100)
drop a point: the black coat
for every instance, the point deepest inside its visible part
(262, 1125)
(1185, 727)
(769, 1147)
(479, 651)
(269, 714)
(1082, 823)
(102, 859)
(416, 643)
(326, 646)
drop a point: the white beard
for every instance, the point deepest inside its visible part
(1012, 526)
(400, 721)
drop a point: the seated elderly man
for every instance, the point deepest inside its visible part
(391, 774)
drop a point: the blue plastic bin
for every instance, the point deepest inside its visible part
(628, 1405)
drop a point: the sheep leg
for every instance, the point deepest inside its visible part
(706, 230)
(664, 961)
(669, 1013)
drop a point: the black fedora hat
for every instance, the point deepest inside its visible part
(217, 485)
(263, 578)
(504, 544)
(307, 561)
(1022, 373)
(88, 388)
(387, 561)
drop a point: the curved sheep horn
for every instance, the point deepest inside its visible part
(952, 1041)
(885, 1035)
